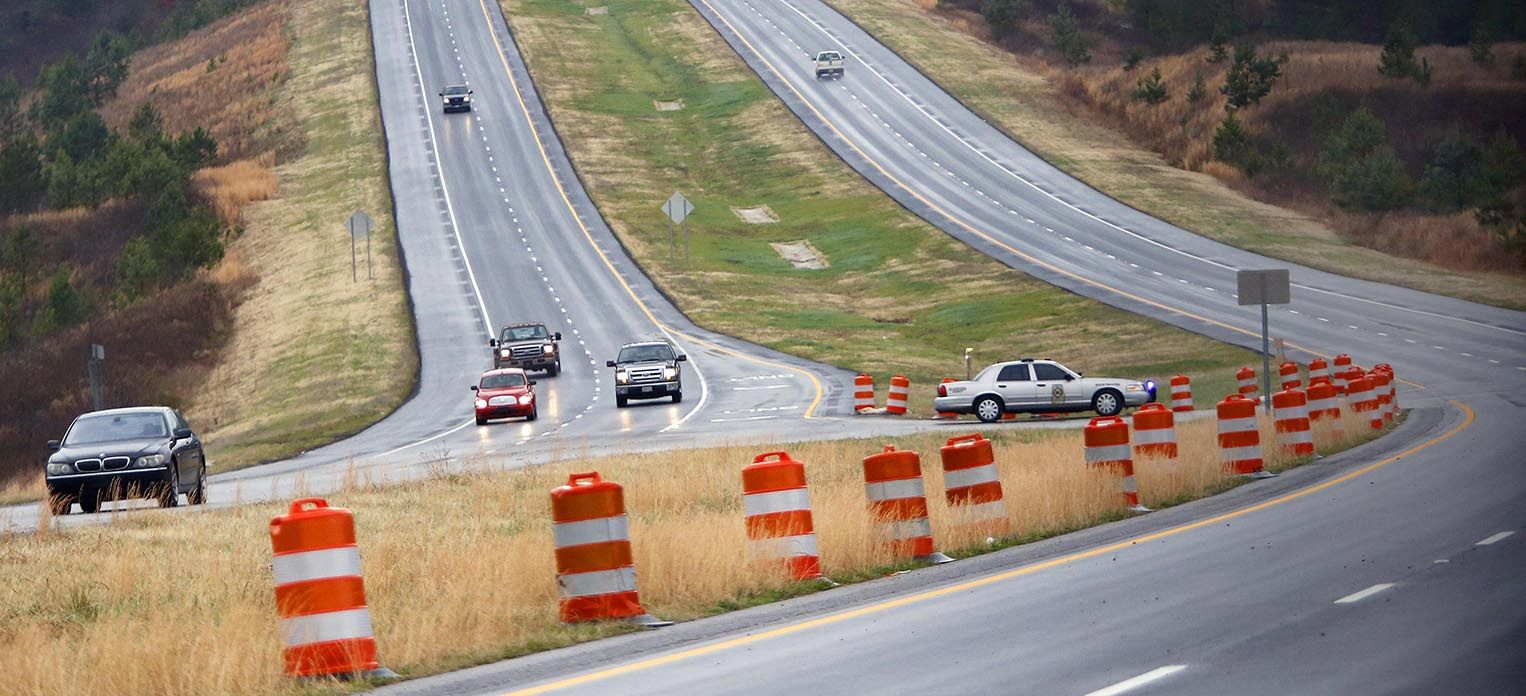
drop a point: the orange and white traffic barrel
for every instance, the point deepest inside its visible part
(320, 595)
(1287, 372)
(895, 401)
(1181, 393)
(1381, 383)
(1340, 365)
(1318, 368)
(595, 573)
(1391, 406)
(777, 505)
(1239, 438)
(898, 502)
(949, 415)
(1154, 432)
(1290, 408)
(1247, 380)
(1107, 447)
(970, 481)
(863, 393)
(1359, 394)
(1325, 405)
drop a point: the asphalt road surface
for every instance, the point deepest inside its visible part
(1398, 571)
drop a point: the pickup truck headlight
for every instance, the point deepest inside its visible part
(148, 461)
(526, 400)
(505, 353)
(669, 372)
(548, 349)
(622, 376)
(480, 403)
(57, 468)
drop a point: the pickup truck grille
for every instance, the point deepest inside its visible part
(522, 352)
(646, 374)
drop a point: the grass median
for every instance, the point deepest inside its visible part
(459, 568)
(1019, 98)
(649, 100)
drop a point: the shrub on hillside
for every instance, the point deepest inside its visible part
(1151, 90)
(1250, 77)
(1232, 144)
(1398, 58)
(1066, 36)
(1003, 16)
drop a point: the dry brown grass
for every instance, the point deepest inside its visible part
(1081, 121)
(230, 187)
(459, 568)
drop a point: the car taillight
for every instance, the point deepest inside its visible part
(942, 390)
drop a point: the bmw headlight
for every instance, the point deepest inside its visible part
(526, 400)
(504, 353)
(548, 349)
(148, 461)
(669, 372)
(480, 403)
(57, 468)
(622, 377)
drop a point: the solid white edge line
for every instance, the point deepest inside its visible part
(1364, 594)
(1133, 683)
(1494, 539)
(704, 387)
(436, 436)
(970, 146)
(455, 229)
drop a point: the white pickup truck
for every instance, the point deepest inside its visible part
(828, 64)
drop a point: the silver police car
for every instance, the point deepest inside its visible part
(1039, 386)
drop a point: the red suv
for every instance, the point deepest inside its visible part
(505, 393)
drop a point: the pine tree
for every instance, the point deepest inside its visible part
(1250, 77)
(1151, 90)
(1199, 89)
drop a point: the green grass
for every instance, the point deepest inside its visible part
(898, 296)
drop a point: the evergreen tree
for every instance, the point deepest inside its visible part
(1199, 89)
(10, 105)
(1358, 136)
(20, 252)
(1376, 182)
(1151, 90)
(1232, 145)
(1480, 44)
(65, 306)
(1450, 182)
(21, 179)
(1004, 16)
(84, 137)
(106, 66)
(1218, 48)
(1250, 77)
(146, 124)
(1398, 59)
(137, 268)
(1067, 36)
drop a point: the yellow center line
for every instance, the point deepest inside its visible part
(975, 230)
(876, 608)
(541, 147)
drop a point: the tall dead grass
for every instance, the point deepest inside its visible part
(459, 568)
(230, 187)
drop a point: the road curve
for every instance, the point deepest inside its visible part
(1381, 570)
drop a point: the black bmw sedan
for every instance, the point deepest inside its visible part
(143, 452)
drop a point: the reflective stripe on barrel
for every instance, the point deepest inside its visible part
(1154, 432)
(595, 574)
(863, 393)
(1290, 407)
(1239, 439)
(893, 484)
(895, 400)
(1318, 368)
(320, 595)
(1107, 446)
(1324, 404)
(1363, 401)
(777, 505)
(1287, 372)
(1181, 393)
(1247, 380)
(971, 481)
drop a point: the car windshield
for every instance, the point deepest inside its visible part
(112, 427)
(653, 351)
(828, 56)
(501, 381)
(454, 90)
(524, 333)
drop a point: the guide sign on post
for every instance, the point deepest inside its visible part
(1264, 287)
(677, 209)
(360, 226)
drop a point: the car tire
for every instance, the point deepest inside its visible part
(60, 504)
(198, 493)
(90, 502)
(553, 370)
(1107, 403)
(534, 413)
(620, 401)
(169, 491)
(481, 421)
(678, 397)
(989, 409)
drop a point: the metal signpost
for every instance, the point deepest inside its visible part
(360, 226)
(677, 209)
(93, 365)
(1264, 287)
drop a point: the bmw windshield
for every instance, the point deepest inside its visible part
(113, 427)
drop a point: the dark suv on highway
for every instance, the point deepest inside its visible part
(143, 452)
(648, 370)
(456, 98)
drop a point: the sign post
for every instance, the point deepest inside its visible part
(677, 209)
(359, 225)
(1264, 287)
(93, 368)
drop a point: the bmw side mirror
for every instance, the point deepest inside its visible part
(474, 387)
(53, 445)
(609, 363)
(532, 382)
(558, 335)
(683, 358)
(183, 433)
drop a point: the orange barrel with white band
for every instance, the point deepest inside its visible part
(1381, 382)
(898, 502)
(1340, 365)
(1107, 447)
(1325, 404)
(1239, 439)
(1391, 405)
(1154, 432)
(1247, 379)
(1318, 368)
(970, 481)
(1291, 410)
(1181, 393)
(320, 596)
(777, 505)
(947, 414)
(895, 401)
(863, 393)
(1359, 394)
(1288, 373)
(595, 573)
